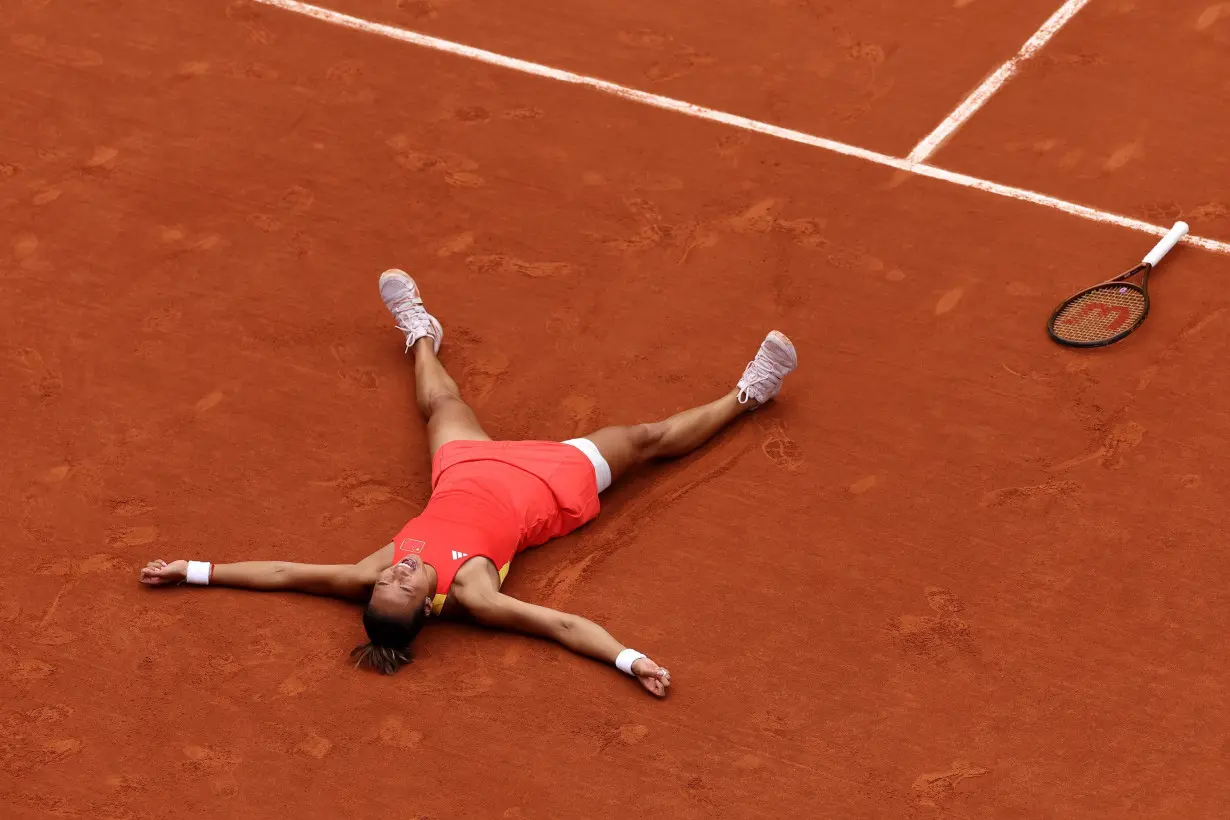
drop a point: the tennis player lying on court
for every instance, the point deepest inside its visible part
(490, 500)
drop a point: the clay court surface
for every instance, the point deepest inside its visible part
(955, 571)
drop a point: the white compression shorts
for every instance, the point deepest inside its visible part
(602, 470)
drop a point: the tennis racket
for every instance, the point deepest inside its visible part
(1108, 312)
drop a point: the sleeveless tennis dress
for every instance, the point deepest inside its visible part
(493, 499)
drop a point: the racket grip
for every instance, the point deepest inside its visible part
(1168, 241)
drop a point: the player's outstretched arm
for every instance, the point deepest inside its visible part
(574, 632)
(334, 580)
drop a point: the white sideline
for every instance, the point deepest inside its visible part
(733, 120)
(992, 84)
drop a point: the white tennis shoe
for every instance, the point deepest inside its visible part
(762, 379)
(401, 296)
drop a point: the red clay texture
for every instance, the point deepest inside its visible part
(879, 75)
(1122, 111)
(954, 571)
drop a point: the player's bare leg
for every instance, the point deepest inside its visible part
(448, 417)
(632, 445)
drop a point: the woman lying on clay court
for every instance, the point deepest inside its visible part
(490, 500)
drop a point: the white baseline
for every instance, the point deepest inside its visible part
(992, 84)
(733, 120)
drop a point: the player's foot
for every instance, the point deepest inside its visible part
(762, 379)
(401, 296)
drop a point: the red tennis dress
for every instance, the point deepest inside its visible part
(495, 498)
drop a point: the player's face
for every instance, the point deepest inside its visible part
(401, 586)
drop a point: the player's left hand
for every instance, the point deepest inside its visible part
(656, 679)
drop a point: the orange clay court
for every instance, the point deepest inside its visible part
(954, 571)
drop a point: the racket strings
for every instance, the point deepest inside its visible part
(1100, 314)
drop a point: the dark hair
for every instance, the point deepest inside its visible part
(389, 637)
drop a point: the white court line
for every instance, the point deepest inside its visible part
(733, 120)
(992, 84)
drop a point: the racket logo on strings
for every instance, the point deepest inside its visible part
(1114, 316)
(1108, 312)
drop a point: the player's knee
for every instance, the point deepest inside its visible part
(438, 401)
(647, 439)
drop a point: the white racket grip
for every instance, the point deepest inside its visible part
(1168, 241)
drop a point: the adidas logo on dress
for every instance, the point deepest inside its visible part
(459, 555)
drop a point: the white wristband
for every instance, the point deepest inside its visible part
(625, 659)
(198, 573)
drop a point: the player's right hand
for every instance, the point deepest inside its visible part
(159, 573)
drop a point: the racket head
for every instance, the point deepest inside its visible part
(1100, 315)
